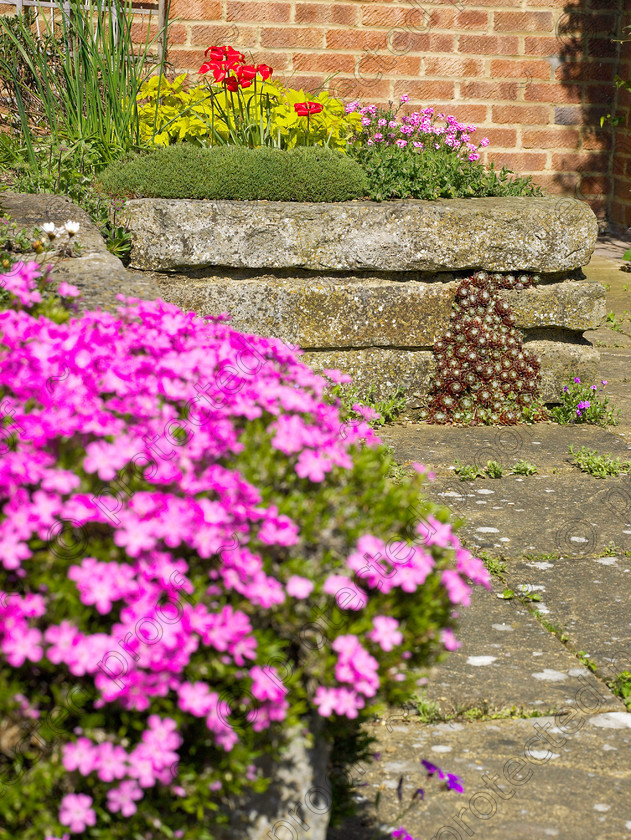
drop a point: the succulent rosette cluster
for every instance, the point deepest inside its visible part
(180, 513)
(483, 373)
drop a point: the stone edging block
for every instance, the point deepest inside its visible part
(544, 235)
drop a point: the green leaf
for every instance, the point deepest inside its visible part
(627, 255)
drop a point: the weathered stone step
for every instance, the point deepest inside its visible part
(353, 312)
(545, 235)
(385, 368)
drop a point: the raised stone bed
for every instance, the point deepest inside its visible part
(368, 287)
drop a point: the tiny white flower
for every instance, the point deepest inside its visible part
(72, 227)
(50, 230)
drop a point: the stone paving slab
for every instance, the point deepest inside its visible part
(544, 444)
(514, 663)
(572, 514)
(565, 777)
(589, 599)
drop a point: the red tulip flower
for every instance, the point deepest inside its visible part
(305, 109)
(246, 73)
(216, 53)
(218, 70)
(233, 55)
(264, 70)
(232, 84)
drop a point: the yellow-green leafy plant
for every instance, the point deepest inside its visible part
(216, 112)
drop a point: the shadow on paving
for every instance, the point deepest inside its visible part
(565, 777)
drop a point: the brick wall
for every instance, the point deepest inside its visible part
(534, 75)
(621, 163)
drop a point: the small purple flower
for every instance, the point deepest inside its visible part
(432, 768)
(401, 834)
(594, 387)
(565, 388)
(454, 782)
(603, 381)
(577, 380)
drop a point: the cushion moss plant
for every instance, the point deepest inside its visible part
(310, 173)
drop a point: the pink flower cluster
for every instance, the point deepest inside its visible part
(417, 130)
(127, 426)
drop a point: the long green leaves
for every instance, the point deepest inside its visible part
(86, 77)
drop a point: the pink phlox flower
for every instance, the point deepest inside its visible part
(385, 632)
(76, 812)
(123, 798)
(457, 590)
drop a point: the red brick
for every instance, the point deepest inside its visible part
(595, 185)
(621, 190)
(488, 90)
(377, 91)
(402, 42)
(369, 65)
(502, 138)
(585, 71)
(541, 46)
(621, 213)
(521, 114)
(324, 62)
(488, 45)
(353, 39)
(579, 162)
(307, 82)
(264, 12)
(339, 13)
(553, 93)
(387, 17)
(190, 60)
(206, 10)
(453, 66)
(277, 60)
(522, 21)
(424, 90)
(470, 114)
(519, 161)
(507, 68)
(550, 138)
(241, 37)
(558, 183)
(292, 36)
(596, 142)
(452, 19)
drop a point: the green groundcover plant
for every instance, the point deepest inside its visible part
(312, 173)
(179, 514)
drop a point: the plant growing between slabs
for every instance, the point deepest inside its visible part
(581, 403)
(600, 466)
(449, 781)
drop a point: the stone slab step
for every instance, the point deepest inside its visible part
(546, 235)
(508, 660)
(587, 598)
